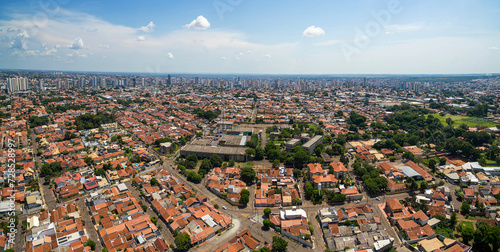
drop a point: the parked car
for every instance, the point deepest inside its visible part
(357, 201)
(377, 198)
(224, 207)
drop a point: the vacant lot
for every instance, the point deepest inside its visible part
(469, 121)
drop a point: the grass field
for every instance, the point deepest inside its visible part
(469, 121)
(467, 223)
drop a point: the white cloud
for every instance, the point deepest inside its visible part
(19, 42)
(313, 31)
(267, 56)
(77, 44)
(49, 52)
(493, 48)
(327, 43)
(118, 43)
(223, 58)
(77, 54)
(200, 23)
(170, 55)
(390, 29)
(148, 28)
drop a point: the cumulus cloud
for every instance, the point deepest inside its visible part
(170, 55)
(141, 38)
(493, 48)
(19, 42)
(148, 28)
(200, 23)
(77, 44)
(313, 31)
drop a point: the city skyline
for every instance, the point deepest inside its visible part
(252, 37)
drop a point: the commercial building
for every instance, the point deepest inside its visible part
(312, 143)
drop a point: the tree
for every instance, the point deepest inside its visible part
(449, 121)
(154, 219)
(154, 182)
(216, 160)
(453, 219)
(267, 212)
(408, 155)
(424, 185)
(309, 190)
(231, 163)
(250, 152)
(297, 173)
(467, 234)
(91, 244)
(259, 153)
(432, 164)
(339, 197)
(279, 244)
(244, 196)
(182, 242)
(248, 175)
(205, 166)
(465, 208)
(88, 160)
(442, 161)
(301, 158)
(192, 158)
(267, 223)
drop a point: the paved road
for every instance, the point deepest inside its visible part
(46, 192)
(89, 226)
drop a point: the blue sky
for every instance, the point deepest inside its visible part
(252, 36)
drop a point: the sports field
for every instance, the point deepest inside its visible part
(469, 121)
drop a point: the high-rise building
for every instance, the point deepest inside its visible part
(196, 80)
(169, 79)
(40, 85)
(12, 85)
(142, 81)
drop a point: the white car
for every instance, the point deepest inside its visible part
(377, 198)
(357, 201)
(224, 207)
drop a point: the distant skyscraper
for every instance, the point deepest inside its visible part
(40, 85)
(12, 85)
(196, 80)
(82, 82)
(142, 81)
(169, 79)
(364, 82)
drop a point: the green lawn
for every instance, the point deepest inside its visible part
(469, 121)
(467, 223)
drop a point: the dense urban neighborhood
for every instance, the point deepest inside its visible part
(107, 162)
